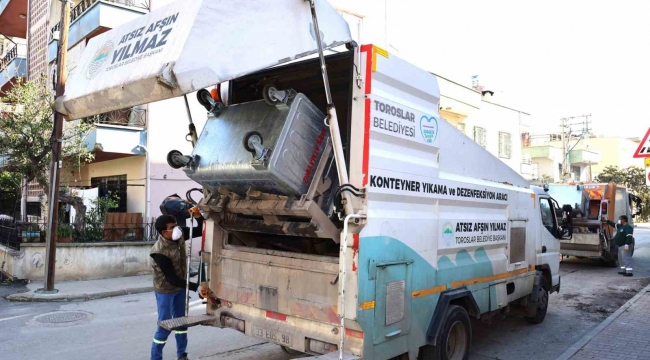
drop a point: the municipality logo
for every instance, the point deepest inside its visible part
(448, 234)
(429, 128)
(99, 59)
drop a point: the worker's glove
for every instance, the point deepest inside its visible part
(203, 292)
(627, 247)
(195, 212)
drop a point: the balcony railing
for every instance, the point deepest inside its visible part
(14, 52)
(126, 117)
(84, 5)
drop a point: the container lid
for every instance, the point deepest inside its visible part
(188, 45)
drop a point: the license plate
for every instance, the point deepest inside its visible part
(271, 335)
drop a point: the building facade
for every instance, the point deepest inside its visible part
(130, 145)
(586, 158)
(476, 113)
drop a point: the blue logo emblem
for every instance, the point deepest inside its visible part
(448, 234)
(429, 128)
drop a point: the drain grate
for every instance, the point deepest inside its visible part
(61, 317)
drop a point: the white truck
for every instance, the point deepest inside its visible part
(375, 234)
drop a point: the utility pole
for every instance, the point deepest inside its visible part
(50, 254)
(567, 134)
(564, 152)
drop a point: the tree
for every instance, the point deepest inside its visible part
(633, 178)
(9, 193)
(26, 136)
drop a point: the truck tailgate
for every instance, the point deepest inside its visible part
(291, 284)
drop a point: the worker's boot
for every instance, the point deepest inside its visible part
(629, 274)
(622, 272)
(184, 357)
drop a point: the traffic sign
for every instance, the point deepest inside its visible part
(647, 171)
(644, 147)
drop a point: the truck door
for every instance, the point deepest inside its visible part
(393, 294)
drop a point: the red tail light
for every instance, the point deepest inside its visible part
(276, 316)
(603, 208)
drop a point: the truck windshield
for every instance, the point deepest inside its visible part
(567, 195)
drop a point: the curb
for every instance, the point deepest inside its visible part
(32, 297)
(590, 335)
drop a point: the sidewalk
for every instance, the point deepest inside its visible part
(623, 335)
(88, 290)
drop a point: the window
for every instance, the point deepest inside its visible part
(548, 217)
(113, 184)
(479, 135)
(505, 144)
(575, 170)
(620, 203)
(34, 209)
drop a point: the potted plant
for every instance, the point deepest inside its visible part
(64, 233)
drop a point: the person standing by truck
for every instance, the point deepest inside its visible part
(624, 240)
(169, 271)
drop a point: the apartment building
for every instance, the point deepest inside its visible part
(477, 113)
(13, 42)
(130, 145)
(586, 158)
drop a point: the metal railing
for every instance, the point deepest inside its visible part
(126, 117)
(16, 51)
(84, 5)
(12, 234)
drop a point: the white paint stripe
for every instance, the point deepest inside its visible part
(195, 302)
(15, 317)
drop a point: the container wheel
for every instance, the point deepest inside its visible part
(454, 339)
(542, 304)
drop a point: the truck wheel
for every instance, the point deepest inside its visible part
(542, 304)
(454, 339)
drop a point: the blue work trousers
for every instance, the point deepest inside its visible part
(170, 306)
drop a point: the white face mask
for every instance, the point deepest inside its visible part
(619, 222)
(177, 233)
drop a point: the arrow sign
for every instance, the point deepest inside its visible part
(644, 147)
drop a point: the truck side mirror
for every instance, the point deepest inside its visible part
(566, 234)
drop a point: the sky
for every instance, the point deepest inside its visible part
(552, 59)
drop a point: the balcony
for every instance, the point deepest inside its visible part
(584, 157)
(90, 18)
(117, 134)
(529, 170)
(12, 66)
(13, 18)
(542, 152)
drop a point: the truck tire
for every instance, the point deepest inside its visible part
(454, 339)
(542, 304)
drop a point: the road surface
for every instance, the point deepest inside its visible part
(123, 327)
